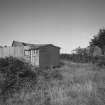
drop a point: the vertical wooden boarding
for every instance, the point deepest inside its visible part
(27, 54)
(35, 57)
(18, 51)
(5, 51)
(32, 58)
(11, 51)
(1, 52)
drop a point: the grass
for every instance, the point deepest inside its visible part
(79, 84)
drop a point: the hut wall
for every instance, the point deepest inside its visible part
(11, 51)
(49, 56)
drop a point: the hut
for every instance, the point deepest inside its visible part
(39, 55)
(97, 51)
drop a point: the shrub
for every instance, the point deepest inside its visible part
(78, 58)
(49, 74)
(13, 71)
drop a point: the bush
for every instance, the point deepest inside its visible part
(78, 58)
(16, 75)
(49, 74)
(12, 72)
(100, 61)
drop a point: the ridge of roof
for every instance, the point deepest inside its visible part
(18, 43)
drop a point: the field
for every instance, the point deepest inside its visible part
(70, 84)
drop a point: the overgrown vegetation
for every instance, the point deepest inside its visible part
(12, 73)
(17, 75)
(70, 84)
(99, 40)
(77, 58)
(85, 55)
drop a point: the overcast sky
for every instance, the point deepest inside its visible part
(65, 23)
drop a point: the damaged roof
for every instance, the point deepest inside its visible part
(33, 46)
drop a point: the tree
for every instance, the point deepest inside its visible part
(99, 40)
(80, 51)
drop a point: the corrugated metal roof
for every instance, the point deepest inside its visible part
(32, 46)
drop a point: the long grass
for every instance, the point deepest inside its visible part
(81, 84)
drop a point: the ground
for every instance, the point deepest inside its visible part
(81, 84)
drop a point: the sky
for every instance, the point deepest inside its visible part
(64, 23)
